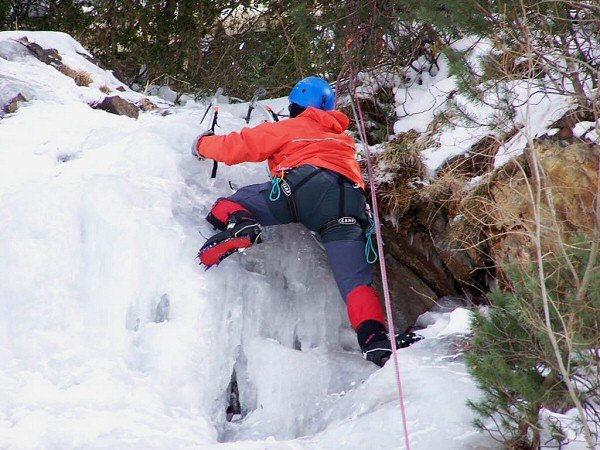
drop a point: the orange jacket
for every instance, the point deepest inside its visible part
(315, 137)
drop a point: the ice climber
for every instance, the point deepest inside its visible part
(316, 180)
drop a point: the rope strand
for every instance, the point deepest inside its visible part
(384, 279)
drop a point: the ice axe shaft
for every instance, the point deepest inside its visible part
(273, 113)
(257, 94)
(213, 174)
(213, 103)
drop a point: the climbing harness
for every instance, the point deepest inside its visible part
(280, 184)
(343, 220)
(358, 116)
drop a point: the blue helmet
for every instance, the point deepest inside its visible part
(313, 91)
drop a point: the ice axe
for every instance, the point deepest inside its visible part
(273, 114)
(214, 104)
(257, 94)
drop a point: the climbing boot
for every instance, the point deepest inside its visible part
(241, 233)
(375, 342)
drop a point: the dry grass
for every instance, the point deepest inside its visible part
(437, 124)
(447, 191)
(147, 105)
(105, 89)
(402, 172)
(81, 77)
(510, 65)
(404, 151)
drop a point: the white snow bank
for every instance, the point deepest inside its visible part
(21, 72)
(426, 96)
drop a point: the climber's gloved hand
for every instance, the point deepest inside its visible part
(195, 151)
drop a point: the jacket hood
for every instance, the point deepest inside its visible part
(336, 121)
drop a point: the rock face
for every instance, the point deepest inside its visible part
(453, 242)
(569, 188)
(147, 105)
(12, 106)
(47, 56)
(119, 106)
(422, 263)
(416, 275)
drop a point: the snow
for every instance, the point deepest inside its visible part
(424, 96)
(100, 218)
(537, 110)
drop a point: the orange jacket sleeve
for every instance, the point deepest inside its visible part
(250, 145)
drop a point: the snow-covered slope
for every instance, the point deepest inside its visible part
(113, 337)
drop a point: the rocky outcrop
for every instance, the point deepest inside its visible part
(47, 56)
(569, 182)
(146, 104)
(119, 106)
(416, 275)
(422, 259)
(12, 106)
(453, 241)
(51, 57)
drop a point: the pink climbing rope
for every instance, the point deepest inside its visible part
(384, 278)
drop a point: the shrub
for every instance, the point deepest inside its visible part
(536, 349)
